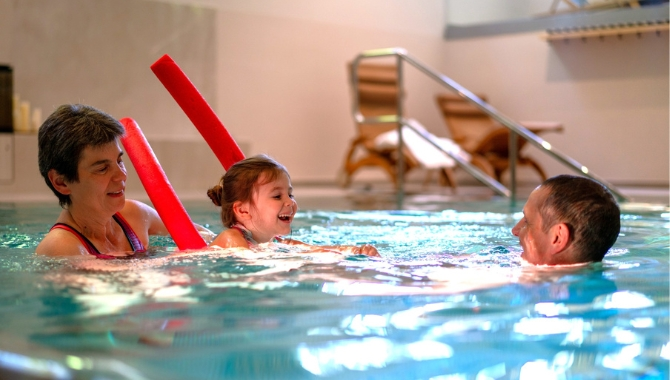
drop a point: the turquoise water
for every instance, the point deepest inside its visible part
(450, 299)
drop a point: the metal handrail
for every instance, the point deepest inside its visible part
(471, 169)
(514, 127)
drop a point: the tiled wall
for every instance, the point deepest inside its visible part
(190, 166)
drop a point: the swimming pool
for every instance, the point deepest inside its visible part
(450, 299)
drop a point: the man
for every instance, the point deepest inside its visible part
(568, 220)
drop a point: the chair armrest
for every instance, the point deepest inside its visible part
(542, 126)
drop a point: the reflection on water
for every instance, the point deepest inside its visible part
(450, 299)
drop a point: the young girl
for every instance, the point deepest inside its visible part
(257, 206)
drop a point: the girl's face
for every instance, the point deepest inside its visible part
(272, 209)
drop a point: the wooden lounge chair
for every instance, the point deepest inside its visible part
(484, 138)
(378, 96)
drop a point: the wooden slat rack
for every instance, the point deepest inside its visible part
(601, 31)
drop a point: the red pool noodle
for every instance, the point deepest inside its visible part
(198, 111)
(161, 193)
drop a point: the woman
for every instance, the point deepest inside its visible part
(81, 160)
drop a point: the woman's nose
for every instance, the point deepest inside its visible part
(516, 228)
(120, 172)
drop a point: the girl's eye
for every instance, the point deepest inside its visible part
(291, 196)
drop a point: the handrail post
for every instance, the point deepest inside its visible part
(400, 177)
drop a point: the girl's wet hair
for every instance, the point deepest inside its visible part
(240, 182)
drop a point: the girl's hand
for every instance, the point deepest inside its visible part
(366, 249)
(206, 235)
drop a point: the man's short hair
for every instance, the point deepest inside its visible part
(588, 209)
(65, 134)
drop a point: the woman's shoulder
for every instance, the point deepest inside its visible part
(136, 211)
(60, 242)
(133, 207)
(144, 217)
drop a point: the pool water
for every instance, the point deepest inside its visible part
(449, 299)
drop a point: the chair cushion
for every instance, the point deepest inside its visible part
(425, 153)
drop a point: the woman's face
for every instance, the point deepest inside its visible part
(102, 180)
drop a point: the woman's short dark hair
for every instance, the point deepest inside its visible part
(588, 209)
(65, 134)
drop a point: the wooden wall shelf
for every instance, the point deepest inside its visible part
(604, 31)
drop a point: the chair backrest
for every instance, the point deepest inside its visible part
(467, 124)
(377, 95)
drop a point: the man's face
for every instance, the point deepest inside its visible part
(533, 240)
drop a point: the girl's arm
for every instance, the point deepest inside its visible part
(366, 249)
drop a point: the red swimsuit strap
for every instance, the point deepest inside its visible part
(84, 241)
(130, 234)
(132, 237)
(245, 234)
(249, 238)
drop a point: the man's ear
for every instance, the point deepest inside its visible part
(241, 210)
(560, 238)
(58, 182)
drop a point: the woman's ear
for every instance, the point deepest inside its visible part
(241, 210)
(58, 182)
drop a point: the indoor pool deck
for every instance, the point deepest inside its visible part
(381, 196)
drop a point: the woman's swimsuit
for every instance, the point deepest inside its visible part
(132, 237)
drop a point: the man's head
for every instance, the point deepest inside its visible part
(568, 220)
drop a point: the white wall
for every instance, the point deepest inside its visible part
(281, 76)
(99, 53)
(283, 81)
(6, 36)
(611, 96)
(473, 12)
(274, 71)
